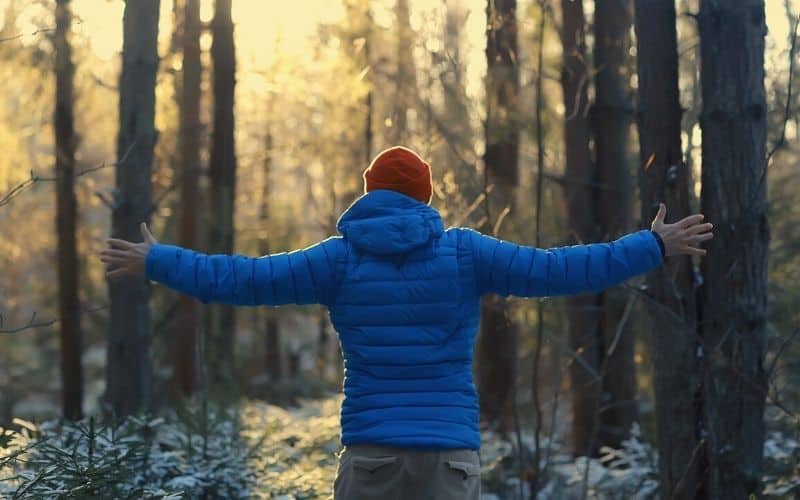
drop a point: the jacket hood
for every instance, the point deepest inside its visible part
(384, 222)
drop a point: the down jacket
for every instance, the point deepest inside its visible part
(403, 294)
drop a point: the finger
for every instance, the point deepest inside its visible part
(146, 233)
(117, 243)
(691, 250)
(117, 261)
(690, 220)
(110, 252)
(662, 212)
(699, 228)
(700, 237)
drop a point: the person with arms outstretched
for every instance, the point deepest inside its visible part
(404, 295)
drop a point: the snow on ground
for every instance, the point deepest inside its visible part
(257, 450)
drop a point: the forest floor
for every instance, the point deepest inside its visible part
(257, 450)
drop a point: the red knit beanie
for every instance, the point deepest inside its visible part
(402, 170)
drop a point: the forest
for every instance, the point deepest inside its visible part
(245, 127)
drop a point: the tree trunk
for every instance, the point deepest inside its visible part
(222, 188)
(405, 77)
(368, 99)
(664, 177)
(496, 354)
(584, 316)
(454, 124)
(357, 36)
(734, 293)
(272, 333)
(128, 369)
(187, 318)
(611, 121)
(66, 217)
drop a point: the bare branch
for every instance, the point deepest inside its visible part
(786, 342)
(475, 204)
(32, 323)
(33, 179)
(32, 33)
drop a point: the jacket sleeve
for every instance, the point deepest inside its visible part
(306, 276)
(507, 268)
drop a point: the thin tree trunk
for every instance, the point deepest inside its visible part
(66, 219)
(405, 77)
(187, 320)
(495, 353)
(358, 34)
(733, 197)
(611, 121)
(664, 177)
(272, 337)
(128, 368)
(454, 124)
(368, 100)
(585, 336)
(222, 188)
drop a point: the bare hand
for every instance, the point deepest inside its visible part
(682, 237)
(127, 258)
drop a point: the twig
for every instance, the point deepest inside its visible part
(475, 204)
(787, 341)
(622, 322)
(33, 179)
(500, 218)
(33, 324)
(32, 33)
(695, 453)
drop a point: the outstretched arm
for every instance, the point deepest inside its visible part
(507, 268)
(304, 276)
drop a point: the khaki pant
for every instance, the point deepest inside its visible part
(388, 473)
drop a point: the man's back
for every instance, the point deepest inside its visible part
(406, 312)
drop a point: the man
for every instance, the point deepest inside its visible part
(404, 294)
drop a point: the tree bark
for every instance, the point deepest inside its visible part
(187, 318)
(496, 355)
(585, 336)
(128, 368)
(66, 218)
(733, 197)
(222, 188)
(664, 177)
(611, 124)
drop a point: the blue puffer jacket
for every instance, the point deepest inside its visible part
(403, 294)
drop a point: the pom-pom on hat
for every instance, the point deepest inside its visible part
(402, 170)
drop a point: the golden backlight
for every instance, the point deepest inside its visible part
(269, 28)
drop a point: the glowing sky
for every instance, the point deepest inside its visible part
(259, 23)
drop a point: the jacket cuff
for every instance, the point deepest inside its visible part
(660, 243)
(154, 268)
